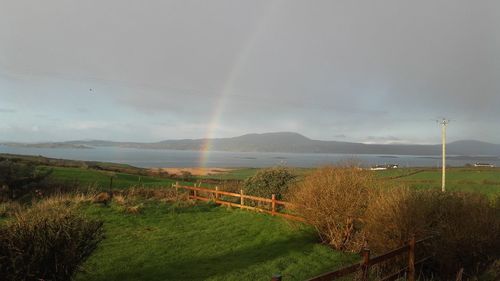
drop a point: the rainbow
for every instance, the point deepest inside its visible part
(227, 89)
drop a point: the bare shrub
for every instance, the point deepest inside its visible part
(48, 241)
(333, 200)
(395, 215)
(467, 227)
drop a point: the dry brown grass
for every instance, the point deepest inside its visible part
(119, 199)
(134, 209)
(131, 201)
(334, 200)
(103, 198)
(10, 208)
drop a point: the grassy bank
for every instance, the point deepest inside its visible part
(204, 243)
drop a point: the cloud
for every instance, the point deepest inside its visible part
(327, 68)
(7, 110)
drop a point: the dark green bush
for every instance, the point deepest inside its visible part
(46, 242)
(17, 178)
(270, 181)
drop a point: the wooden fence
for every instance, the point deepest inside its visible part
(216, 195)
(364, 266)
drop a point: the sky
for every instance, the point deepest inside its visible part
(364, 71)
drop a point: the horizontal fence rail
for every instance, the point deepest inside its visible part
(364, 266)
(215, 196)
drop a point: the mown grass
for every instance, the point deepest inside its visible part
(204, 242)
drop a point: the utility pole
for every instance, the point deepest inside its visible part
(444, 122)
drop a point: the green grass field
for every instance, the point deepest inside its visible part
(204, 242)
(101, 179)
(484, 180)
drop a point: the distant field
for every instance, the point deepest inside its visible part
(204, 243)
(484, 180)
(101, 179)
(243, 173)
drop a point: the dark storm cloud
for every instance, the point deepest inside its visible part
(324, 68)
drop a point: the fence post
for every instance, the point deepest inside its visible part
(194, 192)
(242, 200)
(216, 194)
(366, 264)
(273, 204)
(411, 259)
(176, 191)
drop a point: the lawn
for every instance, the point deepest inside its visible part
(204, 242)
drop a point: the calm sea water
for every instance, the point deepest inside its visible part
(179, 158)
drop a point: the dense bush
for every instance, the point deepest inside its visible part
(17, 178)
(270, 181)
(466, 225)
(48, 241)
(333, 200)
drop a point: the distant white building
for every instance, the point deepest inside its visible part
(484, 165)
(384, 167)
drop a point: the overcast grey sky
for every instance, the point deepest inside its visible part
(370, 71)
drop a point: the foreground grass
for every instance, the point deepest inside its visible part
(204, 242)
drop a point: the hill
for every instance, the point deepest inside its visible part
(292, 143)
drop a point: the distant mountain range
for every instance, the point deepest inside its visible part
(287, 142)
